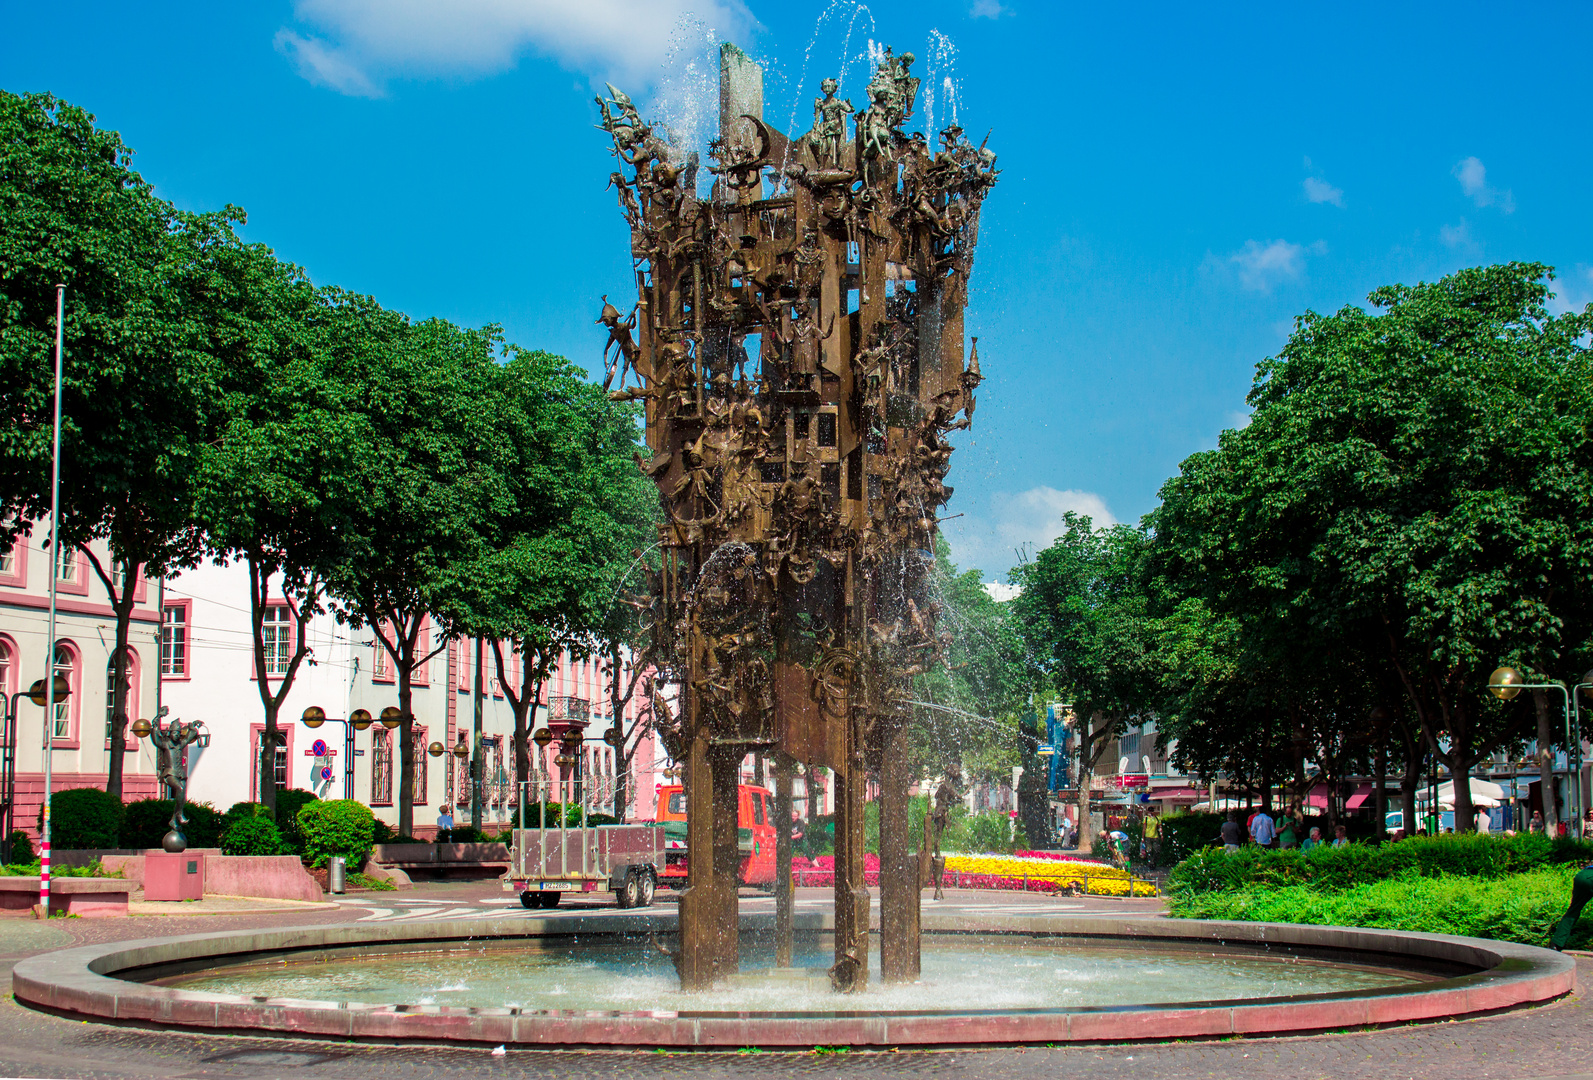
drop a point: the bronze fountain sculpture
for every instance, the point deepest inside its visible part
(797, 343)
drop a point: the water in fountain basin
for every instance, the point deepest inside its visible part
(995, 974)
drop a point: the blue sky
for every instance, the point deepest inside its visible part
(1178, 183)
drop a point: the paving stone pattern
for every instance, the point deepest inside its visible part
(1552, 1041)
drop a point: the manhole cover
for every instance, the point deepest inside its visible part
(273, 1057)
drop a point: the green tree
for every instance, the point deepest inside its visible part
(1087, 623)
(289, 455)
(426, 494)
(136, 380)
(1413, 487)
(577, 512)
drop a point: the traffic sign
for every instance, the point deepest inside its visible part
(318, 747)
(326, 772)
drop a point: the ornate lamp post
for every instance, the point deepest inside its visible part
(1506, 682)
(171, 745)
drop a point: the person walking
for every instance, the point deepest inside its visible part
(1581, 893)
(1287, 836)
(1536, 824)
(1231, 836)
(1262, 830)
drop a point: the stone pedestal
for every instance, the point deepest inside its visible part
(179, 876)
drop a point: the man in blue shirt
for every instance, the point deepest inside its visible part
(1261, 830)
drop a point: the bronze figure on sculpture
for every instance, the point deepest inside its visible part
(798, 338)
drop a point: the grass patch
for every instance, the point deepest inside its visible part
(365, 881)
(1522, 908)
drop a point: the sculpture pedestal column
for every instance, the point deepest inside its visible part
(898, 868)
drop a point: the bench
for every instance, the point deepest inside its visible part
(438, 861)
(91, 898)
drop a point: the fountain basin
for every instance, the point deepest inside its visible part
(1428, 976)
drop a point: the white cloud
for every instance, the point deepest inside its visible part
(1572, 292)
(1473, 177)
(1320, 191)
(1457, 236)
(1261, 265)
(1029, 521)
(988, 9)
(356, 44)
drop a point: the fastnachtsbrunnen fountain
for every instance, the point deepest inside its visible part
(797, 341)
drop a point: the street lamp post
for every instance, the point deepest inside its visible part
(10, 727)
(49, 639)
(1506, 682)
(358, 720)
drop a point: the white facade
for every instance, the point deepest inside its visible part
(210, 675)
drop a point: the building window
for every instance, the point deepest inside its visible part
(66, 667)
(418, 761)
(118, 577)
(277, 638)
(381, 767)
(66, 564)
(174, 641)
(8, 561)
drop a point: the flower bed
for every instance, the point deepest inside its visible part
(1034, 872)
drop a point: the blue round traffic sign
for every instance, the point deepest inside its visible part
(326, 772)
(318, 747)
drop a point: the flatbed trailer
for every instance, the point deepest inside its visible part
(548, 860)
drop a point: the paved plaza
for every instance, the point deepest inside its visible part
(1553, 1041)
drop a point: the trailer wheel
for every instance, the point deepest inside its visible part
(530, 900)
(629, 895)
(551, 899)
(648, 885)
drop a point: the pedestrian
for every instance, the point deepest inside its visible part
(1152, 839)
(1312, 841)
(1287, 836)
(1581, 893)
(1484, 823)
(445, 824)
(1262, 831)
(1231, 836)
(1536, 824)
(1341, 836)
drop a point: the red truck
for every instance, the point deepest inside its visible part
(754, 834)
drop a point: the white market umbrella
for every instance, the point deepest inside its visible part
(1482, 794)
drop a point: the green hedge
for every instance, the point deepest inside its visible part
(254, 835)
(147, 821)
(83, 819)
(1514, 907)
(337, 827)
(289, 802)
(1326, 867)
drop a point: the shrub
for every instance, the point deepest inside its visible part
(83, 819)
(252, 836)
(337, 827)
(382, 833)
(1466, 855)
(466, 834)
(1514, 907)
(21, 847)
(365, 881)
(147, 821)
(289, 803)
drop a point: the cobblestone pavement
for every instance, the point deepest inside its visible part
(1553, 1041)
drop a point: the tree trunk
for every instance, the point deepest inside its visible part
(1545, 756)
(622, 760)
(480, 696)
(1092, 744)
(118, 732)
(1465, 815)
(1380, 791)
(406, 749)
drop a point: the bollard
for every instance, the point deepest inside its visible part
(335, 871)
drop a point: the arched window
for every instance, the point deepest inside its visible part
(110, 690)
(66, 664)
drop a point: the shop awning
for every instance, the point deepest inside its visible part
(1174, 794)
(1362, 793)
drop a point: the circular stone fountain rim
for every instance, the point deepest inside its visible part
(79, 982)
